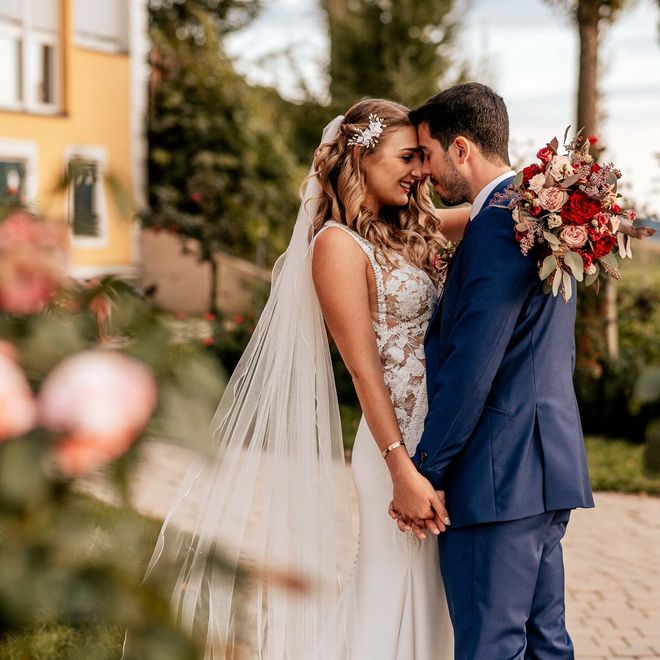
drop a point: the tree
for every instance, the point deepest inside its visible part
(379, 48)
(597, 318)
(220, 171)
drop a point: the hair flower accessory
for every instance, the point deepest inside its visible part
(368, 137)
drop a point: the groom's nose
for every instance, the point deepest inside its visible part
(426, 167)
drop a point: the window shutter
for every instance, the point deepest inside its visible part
(104, 21)
(12, 11)
(45, 15)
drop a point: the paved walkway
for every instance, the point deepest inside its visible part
(612, 556)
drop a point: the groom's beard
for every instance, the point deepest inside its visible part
(452, 187)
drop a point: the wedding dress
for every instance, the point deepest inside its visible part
(271, 497)
(394, 606)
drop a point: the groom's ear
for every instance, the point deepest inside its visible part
(462, 148)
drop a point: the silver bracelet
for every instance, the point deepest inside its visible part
(392, 447)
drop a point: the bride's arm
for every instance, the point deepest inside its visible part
(454, 222)
(340, 271)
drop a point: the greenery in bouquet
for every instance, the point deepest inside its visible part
(567, 214)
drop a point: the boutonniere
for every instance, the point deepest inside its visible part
(442, 258)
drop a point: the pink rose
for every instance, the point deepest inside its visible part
(17, 406)
(101, 400)
(33, 262)
(574, 236)
(552, 199)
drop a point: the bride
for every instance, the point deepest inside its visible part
(273, 497)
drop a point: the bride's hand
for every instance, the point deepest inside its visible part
(415, 502)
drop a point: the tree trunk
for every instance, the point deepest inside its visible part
(213, 297)
(588, 18)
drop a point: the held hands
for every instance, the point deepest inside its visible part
(416, 506)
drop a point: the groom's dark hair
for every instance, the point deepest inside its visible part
(470, 109)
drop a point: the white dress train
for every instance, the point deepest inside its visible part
(394, 606)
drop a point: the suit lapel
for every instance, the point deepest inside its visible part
(438, 306)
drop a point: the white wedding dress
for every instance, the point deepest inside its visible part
(394, 606)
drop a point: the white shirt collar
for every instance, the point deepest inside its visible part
(484, 193)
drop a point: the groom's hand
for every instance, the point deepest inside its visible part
(415, 504)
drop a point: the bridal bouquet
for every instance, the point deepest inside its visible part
(566, 213)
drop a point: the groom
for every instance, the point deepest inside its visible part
(502, 437)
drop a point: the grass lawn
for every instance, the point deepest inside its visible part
(616, 465)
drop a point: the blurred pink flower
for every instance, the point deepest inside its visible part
(33, 261)
(100, 400)
(17, 405)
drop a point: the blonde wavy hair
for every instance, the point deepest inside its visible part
(413, 231)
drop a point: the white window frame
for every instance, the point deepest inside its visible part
(27, 152)
(98, 155)
(29, 36)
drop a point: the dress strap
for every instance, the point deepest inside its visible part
(368, 249)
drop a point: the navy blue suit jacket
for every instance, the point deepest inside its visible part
(502, 436)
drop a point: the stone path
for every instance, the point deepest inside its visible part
(612, 556)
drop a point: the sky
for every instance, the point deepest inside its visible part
(526, 50)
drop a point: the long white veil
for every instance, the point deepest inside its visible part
(276, 495)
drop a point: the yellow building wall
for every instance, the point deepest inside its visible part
(95, 111)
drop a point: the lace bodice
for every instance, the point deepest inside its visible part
(406, 297)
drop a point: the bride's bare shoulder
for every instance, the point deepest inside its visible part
(336, 251)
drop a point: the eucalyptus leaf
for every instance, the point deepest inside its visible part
(566, 183)
(551, 238)
(549, 265)
(610, 260)
(556, 282)
(590, 279)
(517, 182)
(568, 286)
(574, 261)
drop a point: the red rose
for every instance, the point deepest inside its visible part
(529, 172)
(535, 211)
(579, 209)
(595, 167)
(604, 245)
(544, 155)
(587, 258)
(616, 208)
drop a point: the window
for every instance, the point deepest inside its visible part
(12, 182)
(101, 25)
(29, 55)
(87, 210)
(18, 167)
